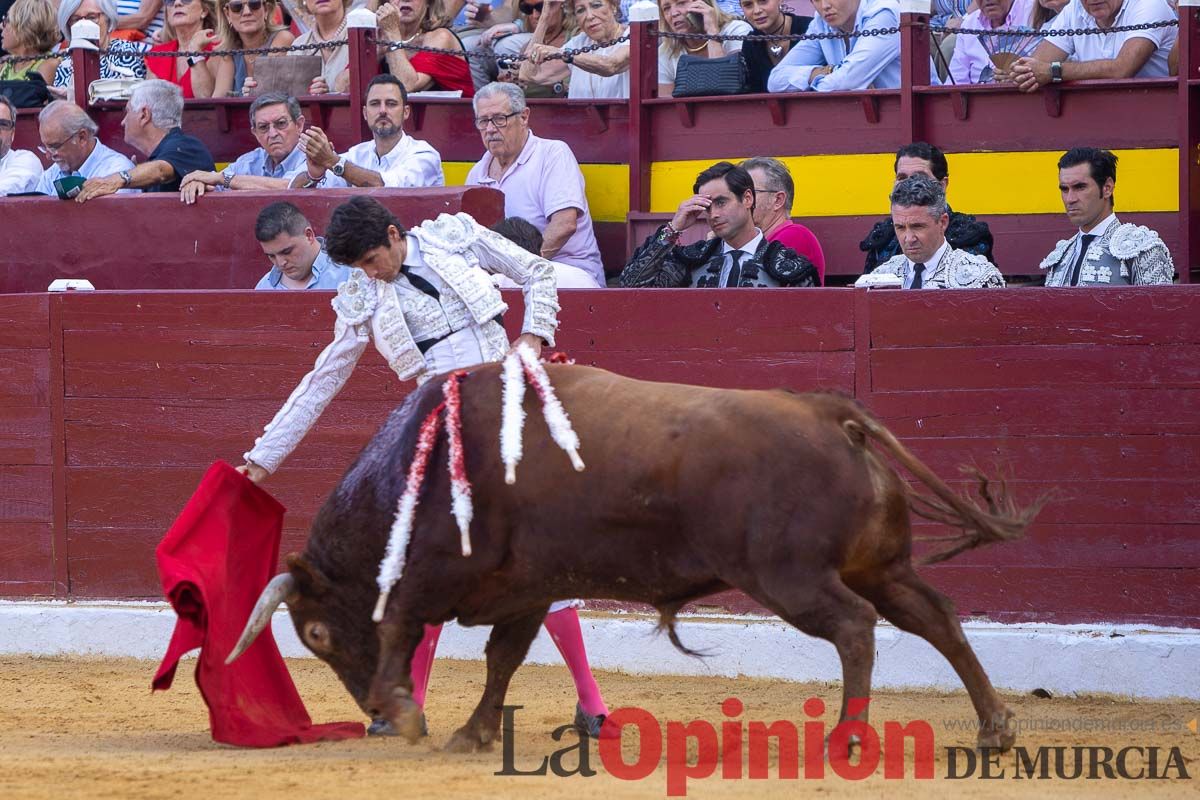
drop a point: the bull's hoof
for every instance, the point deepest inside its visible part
(467, 740)
(852, 743)
(407, 718)
(998, 734)
(593, 725)
(381, 727)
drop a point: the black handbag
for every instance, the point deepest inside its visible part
(29, 93)
(706, 77)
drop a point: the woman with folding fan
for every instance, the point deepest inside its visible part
(979, 57)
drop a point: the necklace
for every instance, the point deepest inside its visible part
(409, 39)
(777, 48)
(695, 49)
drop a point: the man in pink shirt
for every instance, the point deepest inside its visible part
(541, 182)
(774, 191)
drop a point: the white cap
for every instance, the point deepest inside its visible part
(916, 6)
(68, 284)
(879, 280)
(361, 18)
(84, 35)
(643, 11)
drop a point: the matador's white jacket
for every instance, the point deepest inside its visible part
(455, 254)
(1122, 254)
(958, 269)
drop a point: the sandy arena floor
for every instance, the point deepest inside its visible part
(76, 728)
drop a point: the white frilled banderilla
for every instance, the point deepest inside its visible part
(519, 366)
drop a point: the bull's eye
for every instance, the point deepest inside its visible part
(316, 635)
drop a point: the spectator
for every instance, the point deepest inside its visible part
(392, 158)
(737, 255)
(973, 54)
(540, 179)
(603, 74)
(29, 29)
(1044, 11)
(124, 59)
(547, 25)
(844, 63)
(69, 137)
(190, 25)
(1126, 54)
(768, 18)
(139, 20)
(152, 117)
(921, 216)
(693, 16)
(298, 257)
(487, 25)
(19, 169)
(277, 123)
(520, 232)
(1104, 251)
(423, 22)
(964, 232)
(329, 25)
(244, 25)
(774, 192)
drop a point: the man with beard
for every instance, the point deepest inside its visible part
(738, 255)
(393, 158)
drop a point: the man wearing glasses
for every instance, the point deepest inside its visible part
(69, 138)
(392, 158)
(277, 123)
(19, 169)
(541, 182)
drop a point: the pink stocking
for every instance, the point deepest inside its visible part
(564, 630)
(422, 662)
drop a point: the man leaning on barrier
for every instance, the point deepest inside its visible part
(69, 138)
(738, 255)
(841, 63)
(1095, 53)
(276, 122)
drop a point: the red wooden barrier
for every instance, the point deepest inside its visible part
(113, 404)
(152, 241)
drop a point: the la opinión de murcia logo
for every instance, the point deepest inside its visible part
(738, 749)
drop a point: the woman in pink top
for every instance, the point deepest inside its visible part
(773, 193)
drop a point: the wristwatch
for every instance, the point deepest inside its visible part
(194, 60)
(126, 178)
(1056, 72)
(226, 179)
(339, 167)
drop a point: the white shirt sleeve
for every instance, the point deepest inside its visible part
(422, 166)
(1067, 19)
(20, 172)
(309, 399)
(534, 274)
(666, 64)
(1144, 11)
(736, 27)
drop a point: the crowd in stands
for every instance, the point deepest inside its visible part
(524, 41)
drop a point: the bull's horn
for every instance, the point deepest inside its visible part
(278, 590)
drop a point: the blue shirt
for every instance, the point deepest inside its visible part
(326, 274)
(257, 163)
(866, 62)
(102, 162)
(185, 154)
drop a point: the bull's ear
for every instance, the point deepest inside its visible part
(312, 581)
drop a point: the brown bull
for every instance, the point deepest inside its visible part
(688, 491)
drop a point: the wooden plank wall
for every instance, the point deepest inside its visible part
(1093, 394)
(26, 505)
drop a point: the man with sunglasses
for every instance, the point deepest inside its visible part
(69, 139)
(19, 169)
(276, 122)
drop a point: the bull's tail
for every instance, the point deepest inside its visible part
(1002, 521)
(666, 621)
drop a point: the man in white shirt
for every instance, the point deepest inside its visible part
(1126, 54)
(927, 261)
(393, 158)
(69, 137)
(276, 123)
(841, 63)
(541, 182)
(1104, 251)
(19, 169)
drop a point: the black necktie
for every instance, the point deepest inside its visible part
(419, 283)
(735, 269)
(1085, 240)
(918, 276)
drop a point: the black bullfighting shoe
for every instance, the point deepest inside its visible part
(382, 727)
(590, 724)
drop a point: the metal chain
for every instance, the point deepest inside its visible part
(256, 51)
(23, 59)
(1144, 26)
(778, 37)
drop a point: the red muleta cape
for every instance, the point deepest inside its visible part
(214, 562)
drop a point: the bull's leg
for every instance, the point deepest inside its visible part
(914, 606)
(828, 610)
(506, 649)
(391, 695)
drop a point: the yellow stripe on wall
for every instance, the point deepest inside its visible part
(980, 183)
(606, 186)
